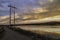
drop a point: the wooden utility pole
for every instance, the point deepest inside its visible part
(14, 14)
(11, 13)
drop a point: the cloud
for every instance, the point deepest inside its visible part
(40, 10)
(22, 5)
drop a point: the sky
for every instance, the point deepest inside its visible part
(23, 6)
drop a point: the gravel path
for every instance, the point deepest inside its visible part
(12, 35)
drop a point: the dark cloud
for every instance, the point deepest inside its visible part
(22, 5)
(54, 5)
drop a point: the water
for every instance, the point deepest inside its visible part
(31, 32)
(53, 29)
(47, 32)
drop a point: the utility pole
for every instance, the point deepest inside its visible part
(11, 13)
(14, 14)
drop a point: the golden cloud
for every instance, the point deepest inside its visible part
(40, 10)
(50, 0)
